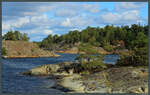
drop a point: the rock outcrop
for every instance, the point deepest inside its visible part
(117, 80)
(23, 49)
(75, 50)
(65, 68)
(111, 80)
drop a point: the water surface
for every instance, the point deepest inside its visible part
(13, 82)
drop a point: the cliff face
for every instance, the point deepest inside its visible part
(19, 49)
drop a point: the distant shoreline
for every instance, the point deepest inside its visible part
(29, 56)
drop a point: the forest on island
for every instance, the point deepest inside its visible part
(15, 35)
(130, 37)
(134, 38)
(110, 37)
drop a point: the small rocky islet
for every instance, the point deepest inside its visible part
(113, 79)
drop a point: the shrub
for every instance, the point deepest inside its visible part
(108, 47)
(32, 50)
(119, 48)
(4, 52)
(138, 58)
(19, 53)
(93, 66)
(85, 72)
(91, 60)
(15, 35)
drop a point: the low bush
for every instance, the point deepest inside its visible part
(108, 48)
(4, 52)
(138, 58)
(32, 50)
(85, 72)
(93, 66)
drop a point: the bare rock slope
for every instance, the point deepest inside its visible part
(20, 49)
(111, 80)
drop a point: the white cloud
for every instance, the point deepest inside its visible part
(6, 26)
(130, 15)
(48, 31)
(78, 21)
(66, 23)
(39, 30)
(3, 33)
(49, 18)
(81, 20)
(26, 8)
(15, 23)
(21, 21)
(66, 12)
(39, 18)
(127, 17)
(129, 5)
(111, 17)
(94, 8)
(47, 8)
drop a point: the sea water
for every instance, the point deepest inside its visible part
(14, 82)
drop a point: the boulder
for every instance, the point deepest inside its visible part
(43, 70)
(48, 69)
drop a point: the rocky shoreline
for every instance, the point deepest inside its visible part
(56, 55)
(74, 50)
(111, 80)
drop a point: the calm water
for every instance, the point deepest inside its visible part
(111, 59)
(13, 82)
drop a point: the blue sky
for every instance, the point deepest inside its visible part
(43, 18)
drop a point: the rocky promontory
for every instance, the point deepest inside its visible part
(111, 80)
(24, 49)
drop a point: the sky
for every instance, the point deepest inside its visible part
(39, 19)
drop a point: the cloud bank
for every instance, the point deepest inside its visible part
(40, 19)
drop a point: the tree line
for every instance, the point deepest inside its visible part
(15, 35)
(134, 36)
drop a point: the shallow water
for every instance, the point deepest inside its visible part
(111, 58)
(13, 82)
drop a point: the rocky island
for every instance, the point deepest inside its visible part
(24, 49)
(113, 79)
(87, 73)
